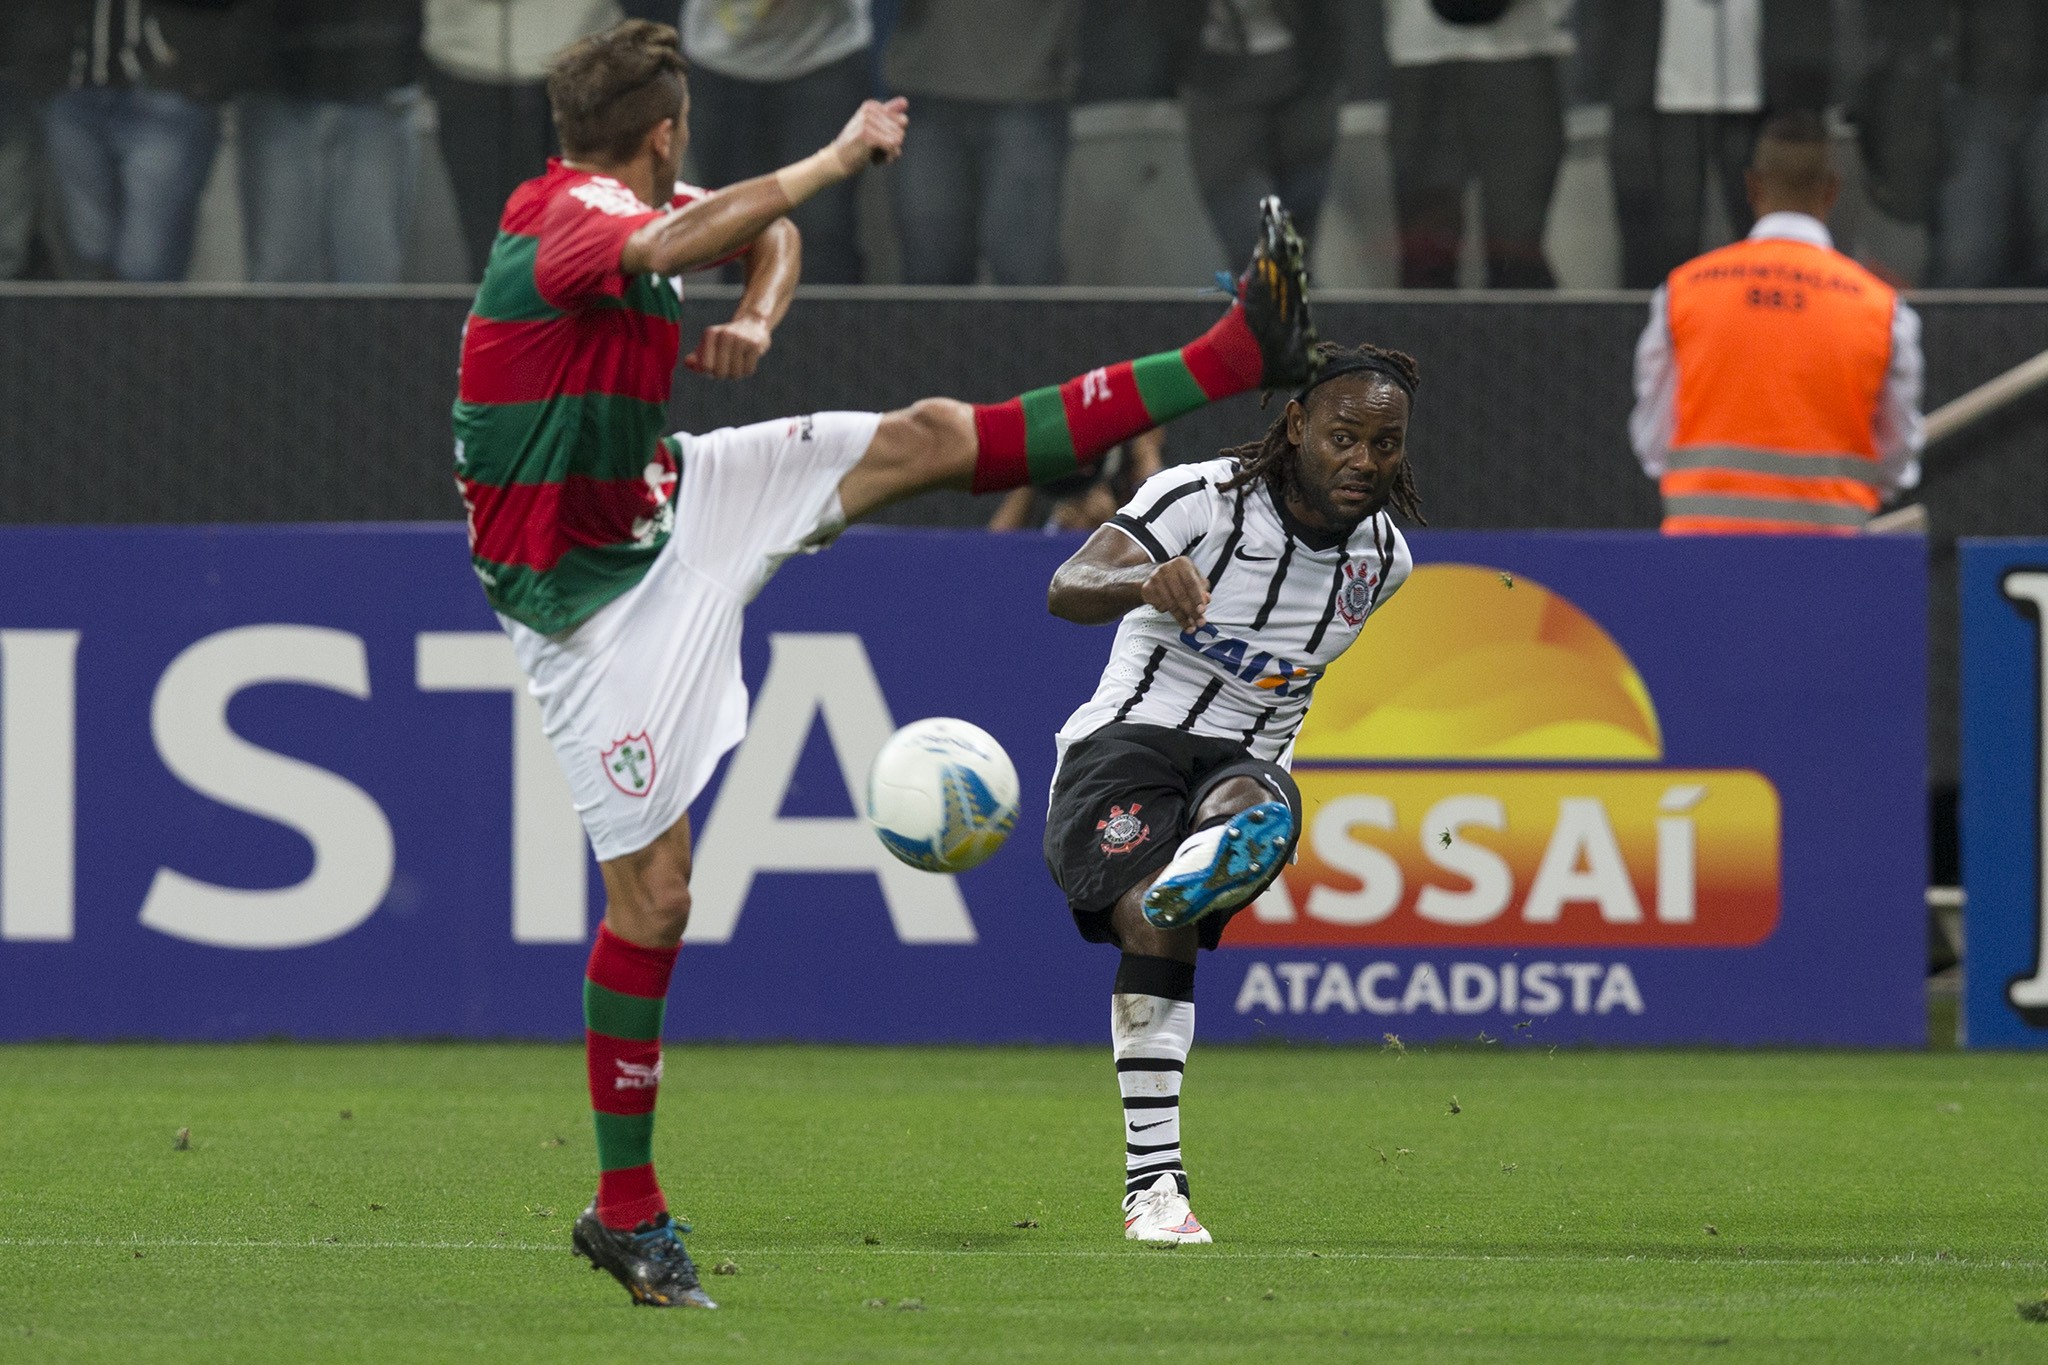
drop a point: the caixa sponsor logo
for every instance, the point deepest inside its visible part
(1259, 667)
(1532, 990)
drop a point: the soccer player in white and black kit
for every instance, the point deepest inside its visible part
(1237, 582)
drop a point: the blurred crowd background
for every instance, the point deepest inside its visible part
(1524, 144)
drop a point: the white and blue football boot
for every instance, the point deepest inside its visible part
(1221, 867)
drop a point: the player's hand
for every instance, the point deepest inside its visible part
(1178, 589)
(873, 135)
(731, 350)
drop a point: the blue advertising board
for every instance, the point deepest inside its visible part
(1567, 788)
(2004, 819)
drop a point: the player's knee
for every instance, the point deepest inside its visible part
(652, 910)
(932, 435)
(668, 911)
(1228, 798)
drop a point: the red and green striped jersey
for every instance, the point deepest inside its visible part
(566, 370)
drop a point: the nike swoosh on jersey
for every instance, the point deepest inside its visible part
(1255, 559)
(1141, 1127)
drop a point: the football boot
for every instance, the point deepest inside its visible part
(650, 1260)
(1161, 1214)
(1274, 292)
(1221, 867)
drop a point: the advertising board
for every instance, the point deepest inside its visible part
(1567, 788)
(2004, 819)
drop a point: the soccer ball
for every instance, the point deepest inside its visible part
(942, 795)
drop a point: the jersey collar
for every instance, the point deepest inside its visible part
(1787, 226)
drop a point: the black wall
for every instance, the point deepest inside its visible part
(154, 406)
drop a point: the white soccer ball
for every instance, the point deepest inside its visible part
(942, 795)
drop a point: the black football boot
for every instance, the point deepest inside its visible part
(1274, 292)
(650, 1260)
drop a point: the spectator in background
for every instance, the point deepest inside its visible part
(328, 153)
(1261, 81)
(772, 80)
(982, 166)
(487, 71)
(1691, 82)
(1991, 209)
(18, 174)
(132, 128)
(1083, 501)
(1476, 96)
(1778, 381)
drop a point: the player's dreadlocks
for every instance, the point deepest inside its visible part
(1272, 457)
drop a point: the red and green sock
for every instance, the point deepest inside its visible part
(1049, 433)
(625, 990)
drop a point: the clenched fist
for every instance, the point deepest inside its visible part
(730, 350)
(873, 135)
(1178, 589)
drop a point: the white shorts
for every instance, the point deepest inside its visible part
(641, 700)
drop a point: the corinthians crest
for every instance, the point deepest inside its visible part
(629, 763)
(1354, 599)
(1123, 830)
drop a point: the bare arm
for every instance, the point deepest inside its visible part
(714, 227)
(732, 350)
(1112, 574)
(1148, 454)
(1013, 513)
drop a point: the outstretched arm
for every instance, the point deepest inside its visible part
(714, 227)
(732, 350)
(1112, 574)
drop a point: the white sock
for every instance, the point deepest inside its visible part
(1151, 1035)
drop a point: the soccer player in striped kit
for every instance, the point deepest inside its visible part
(1235, 583)
(620, 560)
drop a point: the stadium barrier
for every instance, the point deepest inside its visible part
(129, 405)
(1572, 787)
(2005, 805)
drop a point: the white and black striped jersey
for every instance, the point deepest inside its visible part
(1279, 612)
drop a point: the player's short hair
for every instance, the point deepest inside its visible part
(609, 89)
(1792, 154)
(1272, 457)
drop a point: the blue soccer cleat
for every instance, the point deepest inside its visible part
(1222, 867)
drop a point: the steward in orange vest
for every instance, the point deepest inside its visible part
(1778, 382)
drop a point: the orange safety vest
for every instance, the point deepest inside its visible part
(1781, 350)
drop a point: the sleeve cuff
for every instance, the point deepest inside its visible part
(1141, 533)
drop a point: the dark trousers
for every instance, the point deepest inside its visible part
(1501, 123)
(981, 182)
(1241, 153)
(1991, 219)
(740, 129)
(493, 137)
(1659, 164)
(20, 180)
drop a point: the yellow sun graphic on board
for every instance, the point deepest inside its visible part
(1468, 662)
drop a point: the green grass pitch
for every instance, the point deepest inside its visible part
(396, 1203)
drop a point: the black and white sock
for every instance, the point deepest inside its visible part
(1152, 1026)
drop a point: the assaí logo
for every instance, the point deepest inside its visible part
(1483, 772)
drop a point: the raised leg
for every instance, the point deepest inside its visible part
(1266, 339)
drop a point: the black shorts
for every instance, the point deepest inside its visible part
(1125, 798)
